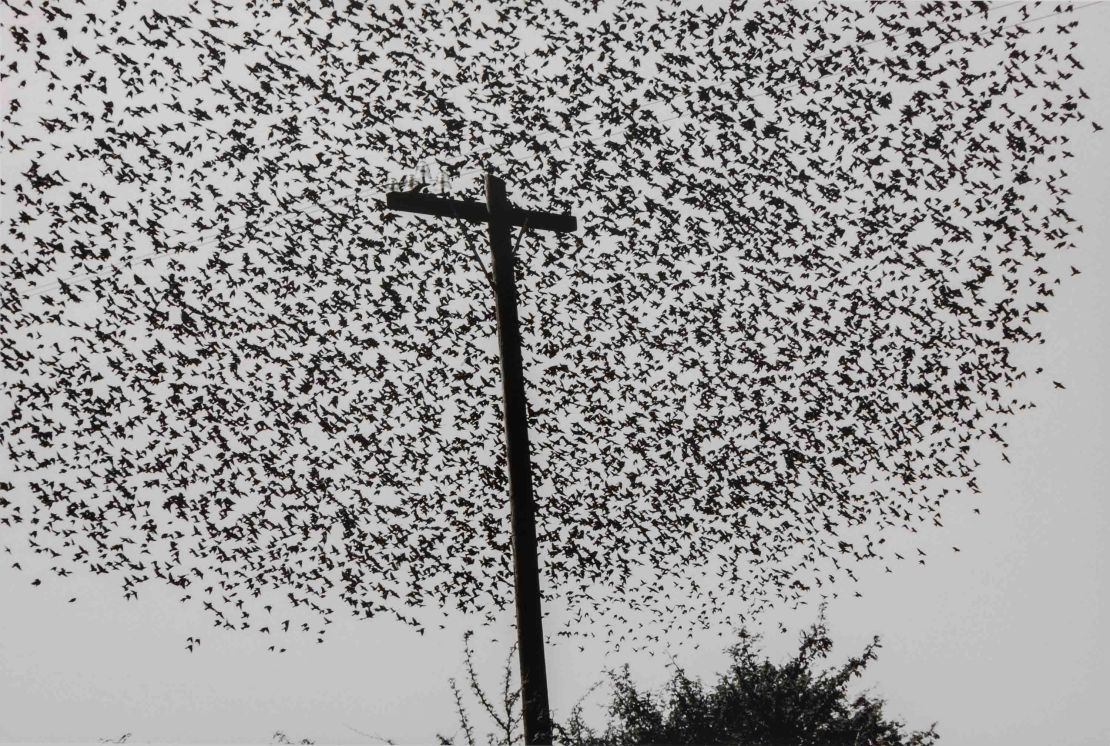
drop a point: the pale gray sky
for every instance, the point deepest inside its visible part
(1001, 643)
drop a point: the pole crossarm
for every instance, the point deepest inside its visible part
(477, 212)
(500, 216)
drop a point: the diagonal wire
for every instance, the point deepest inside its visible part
(474, 249)
(520, 235)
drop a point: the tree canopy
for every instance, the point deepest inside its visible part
(754, 702)
(815, 236)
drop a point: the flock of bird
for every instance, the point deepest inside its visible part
(815, 237)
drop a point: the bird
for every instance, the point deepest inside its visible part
(747, 350)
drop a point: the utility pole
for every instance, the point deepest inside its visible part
(500, 218)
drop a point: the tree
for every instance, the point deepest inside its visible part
(815, 237)
(755, 702)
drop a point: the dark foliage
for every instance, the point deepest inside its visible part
(754, 702)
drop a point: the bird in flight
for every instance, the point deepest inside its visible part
(805, 260)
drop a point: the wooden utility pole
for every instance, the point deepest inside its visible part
(500, 218)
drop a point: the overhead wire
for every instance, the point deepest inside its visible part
(474, 250)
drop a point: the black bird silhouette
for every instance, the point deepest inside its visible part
(810, 241)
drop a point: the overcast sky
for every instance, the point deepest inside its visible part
(1003, 642)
